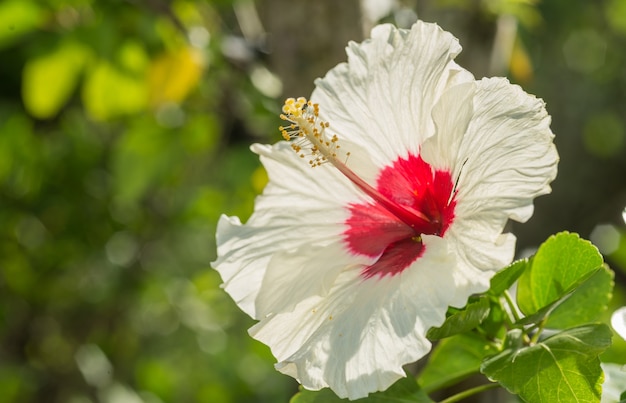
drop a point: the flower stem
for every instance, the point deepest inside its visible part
(462, 395)
(535, 337)
(511, 304)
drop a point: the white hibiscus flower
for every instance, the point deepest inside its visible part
(391, 208)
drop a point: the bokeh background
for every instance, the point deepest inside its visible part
(124, 134)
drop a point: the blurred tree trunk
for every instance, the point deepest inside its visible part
(469, 25)
(308, 38)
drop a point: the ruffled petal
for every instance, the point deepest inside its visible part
(451, 115)
(306, 270)
(359, 336)
(513, 131)
(382, 98)
(496, 140)
(480, 254)
(300, 207)
(294, 185)
(504, 157)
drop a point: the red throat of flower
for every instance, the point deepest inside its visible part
(374, 231)
(410, 198)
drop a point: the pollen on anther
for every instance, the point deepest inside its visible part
(309, 132)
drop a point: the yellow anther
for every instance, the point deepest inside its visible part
(305, 126)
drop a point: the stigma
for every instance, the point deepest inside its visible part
(308, 133)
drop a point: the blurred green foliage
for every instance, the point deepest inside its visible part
(114, 168)
(124, 133)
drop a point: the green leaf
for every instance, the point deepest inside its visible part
(562, 262)
(141, 158)
(493, 323)
(615, 12)
(593, 277)
(116, 89)
(18, 17)
(466, 319)
(49, 80)
(562, 368)
(454, 359)
(504, 279)
(405, 390)
(586, 302)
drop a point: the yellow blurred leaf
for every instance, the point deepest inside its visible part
(132, 57)
(173, 75)
(116, 90)
(113, 90)
(17, 17)
(615, 11)
(49, 80)
(109, 92)
(259, 179)
(525, 11)
(521, 67)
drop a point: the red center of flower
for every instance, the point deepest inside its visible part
(411, 199)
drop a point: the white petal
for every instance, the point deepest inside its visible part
(294, 276)
(618, 322)
(496, 140)
(499, 141)
(297, 186)
(299, 206)
(614, 382)
(452, 115)
(382, 98)
(480, 254)
(237, 261)
(507, 154)
(357, 339)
